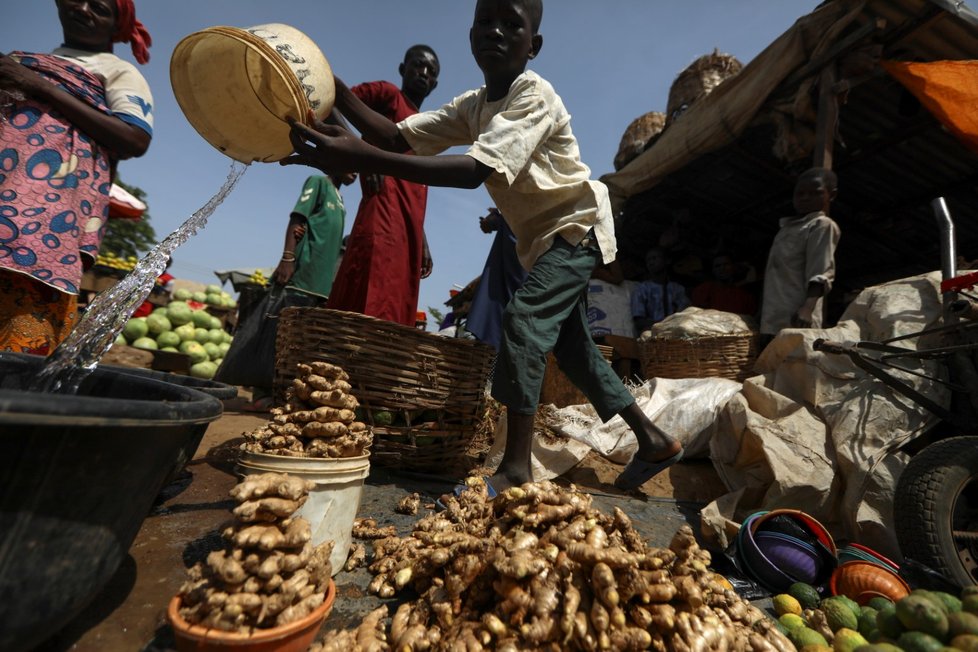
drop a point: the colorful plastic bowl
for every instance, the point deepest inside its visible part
(791, 555)
(864, 580)
(777, 559)
(857, 552)
(759, 567)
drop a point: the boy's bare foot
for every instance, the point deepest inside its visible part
(639, 471)
(656, 455)
(656, 452)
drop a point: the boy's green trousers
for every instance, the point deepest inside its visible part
(549, 313)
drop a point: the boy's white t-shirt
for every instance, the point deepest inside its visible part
(539, 182)
(127, 93)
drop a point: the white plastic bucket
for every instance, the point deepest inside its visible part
(238, 87)
(332, 504)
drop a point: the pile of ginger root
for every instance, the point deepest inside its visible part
(270, 574)
(539, 568)
(317, 420)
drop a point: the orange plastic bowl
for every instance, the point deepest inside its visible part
(863, 580)
(297, 636)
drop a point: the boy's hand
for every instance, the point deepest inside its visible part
(802, 318)
(373, 184)
(490, 222)
(427, 264)
(326, 147)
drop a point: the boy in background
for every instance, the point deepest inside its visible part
(801, 264)
(657, 296)
(522, 148)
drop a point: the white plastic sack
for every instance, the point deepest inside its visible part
(686, 408)
(609, 308)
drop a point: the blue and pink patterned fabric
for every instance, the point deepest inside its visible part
(54, 180)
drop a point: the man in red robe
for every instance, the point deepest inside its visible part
(387, 253)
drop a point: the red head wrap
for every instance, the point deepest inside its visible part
(130, 30)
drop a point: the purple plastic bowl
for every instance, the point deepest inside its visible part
(790, 555)
(756, 564)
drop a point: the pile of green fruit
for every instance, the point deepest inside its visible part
(181, 329)
(924, 621)
(212, 295)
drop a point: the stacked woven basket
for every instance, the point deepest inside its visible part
(422, 394)
(698, 80)
(698, 343)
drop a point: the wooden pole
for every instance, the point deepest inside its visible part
(828, 117)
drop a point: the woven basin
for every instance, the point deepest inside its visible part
(429, 389)
(720, 356)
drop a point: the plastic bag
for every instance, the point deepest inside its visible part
(250, 361)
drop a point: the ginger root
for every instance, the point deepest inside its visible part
(270, 574)
(409, 504)
(539, 568)
(318, 419)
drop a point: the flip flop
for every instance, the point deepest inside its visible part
(459, 488)
(637, 472)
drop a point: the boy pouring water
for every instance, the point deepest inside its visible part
(522, 148)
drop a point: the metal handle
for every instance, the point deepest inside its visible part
(949, 254)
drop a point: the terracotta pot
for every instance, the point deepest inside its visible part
(297, 636)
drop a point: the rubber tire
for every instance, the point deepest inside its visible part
(927, 502)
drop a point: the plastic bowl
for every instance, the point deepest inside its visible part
(864, 580)
(297, 636)
(80, 473)
(757, 565)
(857, 552)
(793, 556)
(780, 572)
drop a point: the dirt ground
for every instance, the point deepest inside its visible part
(183, 526)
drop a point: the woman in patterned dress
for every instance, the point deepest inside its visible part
(66, 119)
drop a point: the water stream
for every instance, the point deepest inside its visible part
(101, 323)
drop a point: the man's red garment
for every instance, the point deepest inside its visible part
(380, 272)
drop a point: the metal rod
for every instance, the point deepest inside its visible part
(949, 254)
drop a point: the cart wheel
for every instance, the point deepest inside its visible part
(936, 508)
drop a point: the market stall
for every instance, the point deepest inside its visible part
(836, 90)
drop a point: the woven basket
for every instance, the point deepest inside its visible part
(639, 134)
(698, 80)
(718, 356)
(433, 387)
(557, 387)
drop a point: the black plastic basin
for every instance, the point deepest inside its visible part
(78, 474)
(220, 391)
